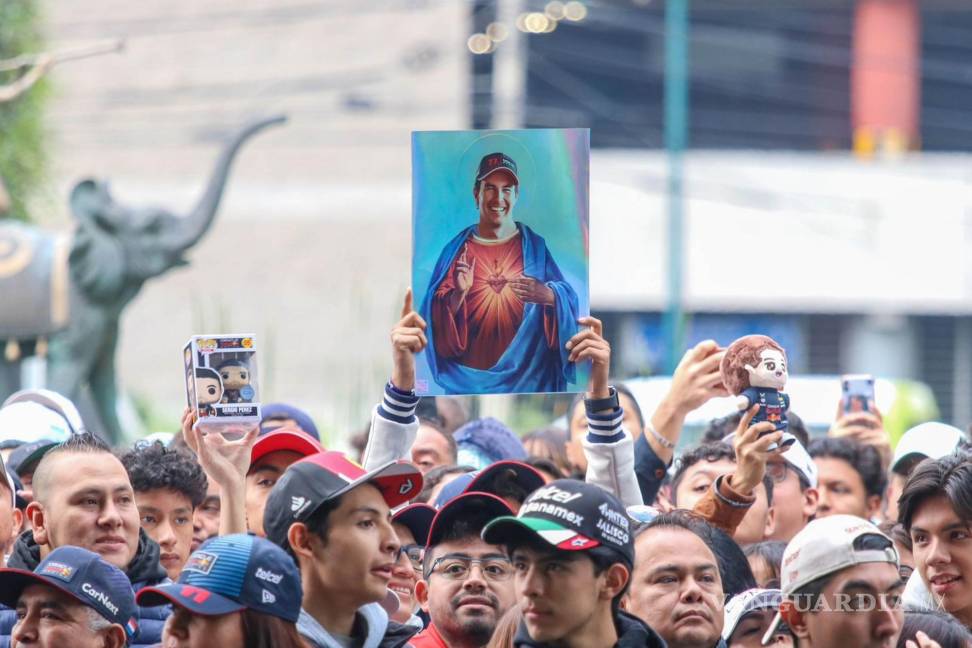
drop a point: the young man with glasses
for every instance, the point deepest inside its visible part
(334, 519)
(467, 584)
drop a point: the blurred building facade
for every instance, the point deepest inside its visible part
(855, 264)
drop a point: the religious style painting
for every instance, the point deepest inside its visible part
(500, 258)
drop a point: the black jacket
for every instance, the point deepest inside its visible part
(142, 571)
(632, 633)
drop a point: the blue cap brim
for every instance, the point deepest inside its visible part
(195, 599)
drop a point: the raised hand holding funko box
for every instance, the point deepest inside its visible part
(221, 384)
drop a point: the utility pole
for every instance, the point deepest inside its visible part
(676, 136)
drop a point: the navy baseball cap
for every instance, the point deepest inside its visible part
(231, 573)
(315, 479)
(570, 515)
(486, 480)
(84, 576)
(274, 415)
(496, 162)
(26, 457)
(417, 518)
(468, 505)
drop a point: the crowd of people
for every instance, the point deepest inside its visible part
(445, 532)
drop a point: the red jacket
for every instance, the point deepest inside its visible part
(428, 638)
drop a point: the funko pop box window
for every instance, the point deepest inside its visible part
(221, 379)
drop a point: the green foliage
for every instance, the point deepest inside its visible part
(23, 157)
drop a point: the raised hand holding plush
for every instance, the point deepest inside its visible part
(754, 370)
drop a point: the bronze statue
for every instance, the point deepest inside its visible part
(75, 290)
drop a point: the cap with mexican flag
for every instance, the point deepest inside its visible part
(570, 515)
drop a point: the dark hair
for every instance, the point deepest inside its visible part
(545, 466)
(317, 523)
(154, 467)
(942, 628)
(897, 532)
(432, 479)
(437, 425)
(84, 443)
(949, 477)
(720, 427)
(268, 631)
(734, 570)
(864, 459)
(718, 451)
(553, 442)
(770, 552)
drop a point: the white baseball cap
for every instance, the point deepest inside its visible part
(796, 455)
(749, 601)
(26, 422)
(825, 546)
(931, 440)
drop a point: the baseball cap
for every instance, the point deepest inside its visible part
(742, 604)
(485, 480)
(25, 457)
(53, 401)
(315, 479)
(495, 162)
(25, 422)
(795, 454)
(287, 438)
(570, 515)
(9, 480)
(84, 576)
(932, 440)
(232, 573)
(828, 545)
(468, 505)
(417, 518)
(272, 412)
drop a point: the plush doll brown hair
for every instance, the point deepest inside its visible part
(744, 351)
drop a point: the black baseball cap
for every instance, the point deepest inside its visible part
(417, 518)
(84, 576)
(496, 162)
(477, 505)
(485, 480)
(26, 457)
(315, 479)
(232, 573)
(570, 515)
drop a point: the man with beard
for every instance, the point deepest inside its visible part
(467, 584)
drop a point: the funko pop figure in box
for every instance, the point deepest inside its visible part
(209, 390)
(236, 382)
(754, 369)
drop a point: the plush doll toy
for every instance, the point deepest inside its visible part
(236, 382)
(209, 390)
(754, 370)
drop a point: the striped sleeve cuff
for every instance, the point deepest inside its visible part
(605, 428)
(398, 405)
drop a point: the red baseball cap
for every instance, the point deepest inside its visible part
(286, 438)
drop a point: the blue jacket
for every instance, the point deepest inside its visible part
(144, 570)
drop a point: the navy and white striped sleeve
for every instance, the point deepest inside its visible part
(398, 405)
(605, 427)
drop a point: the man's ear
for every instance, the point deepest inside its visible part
(615, 578)
(795, 619)
(770, 527)
(810, 498)
(18, 522)
(422, 594)
(115, 637)
(301, 539)
(38, 520)
(873, 503)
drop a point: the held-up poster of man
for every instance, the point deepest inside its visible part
(500, 258)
